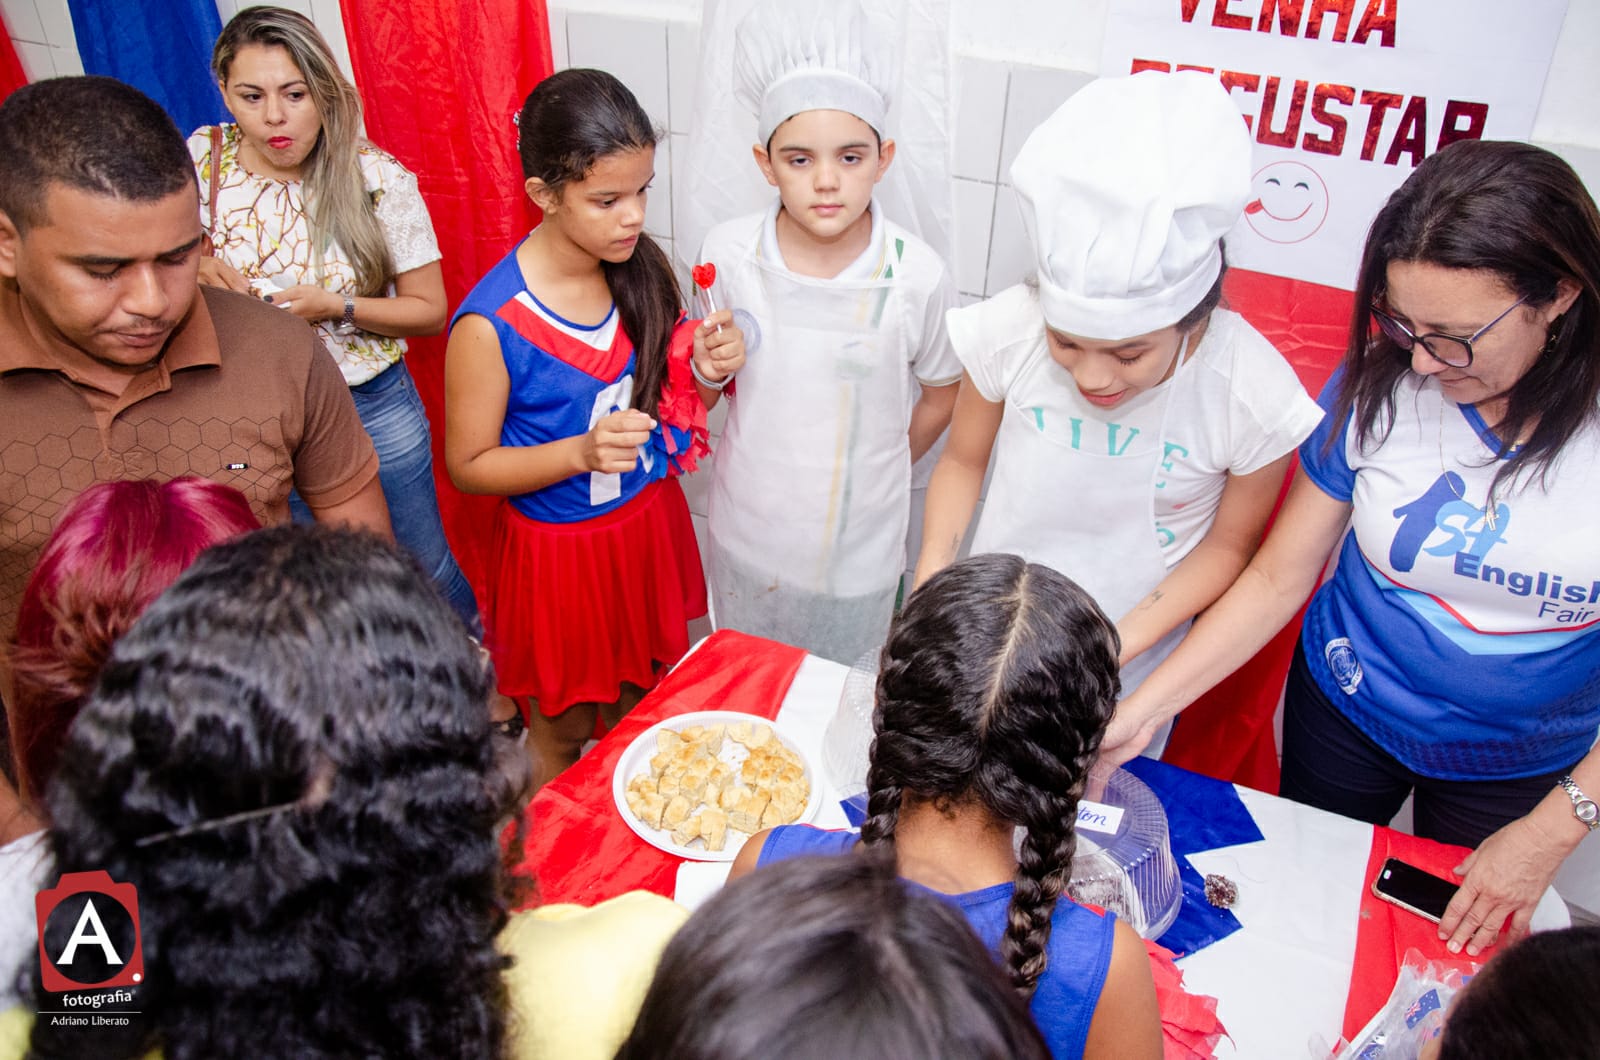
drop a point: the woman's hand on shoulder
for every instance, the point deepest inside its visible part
(214, 272)
(612, 444)
(718, 353)
(309, 302)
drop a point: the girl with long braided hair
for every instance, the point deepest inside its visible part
(997, 684)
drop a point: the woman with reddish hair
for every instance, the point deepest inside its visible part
(116, 548)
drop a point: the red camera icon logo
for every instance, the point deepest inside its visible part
(89, 933)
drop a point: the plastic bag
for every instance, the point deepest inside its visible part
(1413, 1015)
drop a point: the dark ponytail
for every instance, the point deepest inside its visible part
(570, 121)
(998, 682)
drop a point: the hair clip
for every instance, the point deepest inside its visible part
(215, 823)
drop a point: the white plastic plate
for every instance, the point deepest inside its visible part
(636, 760)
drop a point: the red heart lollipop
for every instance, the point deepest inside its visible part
(704, 275)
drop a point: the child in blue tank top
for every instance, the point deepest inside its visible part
(997, 684)
(573, 387)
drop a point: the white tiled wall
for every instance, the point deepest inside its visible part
(41, 31)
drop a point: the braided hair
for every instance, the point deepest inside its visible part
(997, 684)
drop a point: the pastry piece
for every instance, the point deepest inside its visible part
(692, 732)
(687, 831)
(759, 764)
(667, 740)
(688, 753)
(739, 732)
(772, 816)
(760, 736)
(669, 783)
(677, 809)
(746, 812)
(693, 784)
(787, 802)
(647, 806)
(714, 828)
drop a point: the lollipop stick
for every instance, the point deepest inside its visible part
(709, 302)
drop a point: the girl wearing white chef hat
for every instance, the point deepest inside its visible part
(1140, 432)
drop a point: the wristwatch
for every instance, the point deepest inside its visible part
(1583, 807)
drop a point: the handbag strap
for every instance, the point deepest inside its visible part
(216, 182)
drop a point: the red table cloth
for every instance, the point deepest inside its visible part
(1387, 931)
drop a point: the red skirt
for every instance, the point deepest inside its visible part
(576, 609)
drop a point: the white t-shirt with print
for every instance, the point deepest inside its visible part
(1241, 407)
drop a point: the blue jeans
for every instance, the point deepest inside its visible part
(391, 411)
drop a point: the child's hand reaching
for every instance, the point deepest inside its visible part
(718, 353)
(612, 444)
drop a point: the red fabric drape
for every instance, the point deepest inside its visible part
(441, 81)
(1227, 732)
(12, 76)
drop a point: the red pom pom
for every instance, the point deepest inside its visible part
(704, 275)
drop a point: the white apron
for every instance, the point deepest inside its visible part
(811, 492)
(1079, 496)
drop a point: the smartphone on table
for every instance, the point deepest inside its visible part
(1411, 889)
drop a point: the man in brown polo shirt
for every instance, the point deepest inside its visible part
(114, 363)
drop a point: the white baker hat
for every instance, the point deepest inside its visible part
(791, 57)
(1126, 191)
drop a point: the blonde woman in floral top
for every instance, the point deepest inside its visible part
(310, 216)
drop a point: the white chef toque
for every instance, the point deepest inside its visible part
(1126, 191)
(790, 57)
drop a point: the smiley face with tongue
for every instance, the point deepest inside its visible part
(1289, 202)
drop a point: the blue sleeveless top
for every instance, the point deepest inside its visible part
(560, 387)
(1077, 958)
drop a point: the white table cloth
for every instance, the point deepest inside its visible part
(1281, 980)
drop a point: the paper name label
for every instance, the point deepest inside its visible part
(1098, 817)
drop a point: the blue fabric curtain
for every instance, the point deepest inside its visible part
(162, 47)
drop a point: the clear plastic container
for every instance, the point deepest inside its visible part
(1124, 863)
(847, 743)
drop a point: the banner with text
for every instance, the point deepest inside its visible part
(1344, 98)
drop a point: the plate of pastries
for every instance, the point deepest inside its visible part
(700, 784)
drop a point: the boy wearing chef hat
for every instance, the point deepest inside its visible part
(1140, 433)
(851, 376)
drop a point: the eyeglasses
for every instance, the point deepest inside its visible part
(1450, 350)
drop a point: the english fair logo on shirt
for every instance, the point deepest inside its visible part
(90, 955)
(1440, 523)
